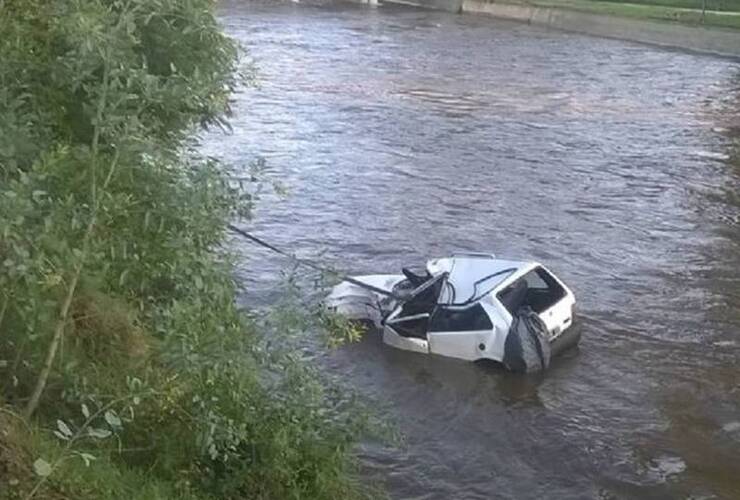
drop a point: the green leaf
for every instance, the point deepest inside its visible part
(64, 428)
(42, 468)
(61, 436)
(87, 458)
(98, 433)
(85, 411)
(112, 419)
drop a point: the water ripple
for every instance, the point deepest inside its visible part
(405, 134)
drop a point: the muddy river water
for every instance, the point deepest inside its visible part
(404, 134)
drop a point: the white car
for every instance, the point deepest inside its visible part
(468, 306)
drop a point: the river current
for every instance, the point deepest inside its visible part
(405, 134)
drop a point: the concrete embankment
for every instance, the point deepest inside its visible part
(719, 41)
(716, 41)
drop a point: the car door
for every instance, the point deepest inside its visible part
(411, 317)
(465, 333)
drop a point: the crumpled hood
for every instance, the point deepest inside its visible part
(357, 303)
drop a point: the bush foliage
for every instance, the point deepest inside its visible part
(126, 369)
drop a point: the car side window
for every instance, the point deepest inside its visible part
(536, 289)
(460, 320)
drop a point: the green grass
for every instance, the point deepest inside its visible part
(714, 5)
(681, 11)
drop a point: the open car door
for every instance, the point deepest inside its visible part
(407, 326)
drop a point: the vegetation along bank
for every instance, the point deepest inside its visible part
(126, 369)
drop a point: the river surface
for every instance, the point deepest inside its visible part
(405, 134)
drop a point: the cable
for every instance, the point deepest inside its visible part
(310, 264)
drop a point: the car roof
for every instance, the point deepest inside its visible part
(471, 277)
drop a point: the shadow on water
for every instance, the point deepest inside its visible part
(405, 134)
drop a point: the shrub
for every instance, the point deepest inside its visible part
(119, 333)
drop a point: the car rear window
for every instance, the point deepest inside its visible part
(537, 289)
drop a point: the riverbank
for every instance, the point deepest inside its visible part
(674, 12)
(127, 369)
(656, 25)
(718, 41)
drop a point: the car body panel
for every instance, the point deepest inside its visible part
(413, 344)
(471, 344)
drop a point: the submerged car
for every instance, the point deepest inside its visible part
(468, 306)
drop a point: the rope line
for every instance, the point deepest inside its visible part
(308, 263)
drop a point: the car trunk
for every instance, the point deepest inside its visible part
(539, 290)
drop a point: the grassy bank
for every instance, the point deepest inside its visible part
(710, 5)
(126, 370)
(719, 14)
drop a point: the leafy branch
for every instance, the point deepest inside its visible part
(56, 339)
(44, 469)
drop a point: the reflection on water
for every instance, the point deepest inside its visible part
(406, 134)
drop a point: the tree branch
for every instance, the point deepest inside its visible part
(61, 323)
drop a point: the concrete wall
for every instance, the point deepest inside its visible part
(717, 41)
